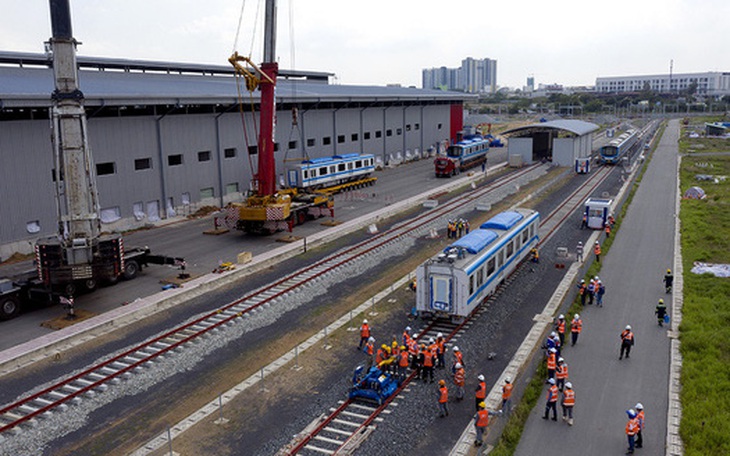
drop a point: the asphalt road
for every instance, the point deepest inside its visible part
(606, 387)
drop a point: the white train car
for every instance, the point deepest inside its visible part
(454, 282)
(327, 171)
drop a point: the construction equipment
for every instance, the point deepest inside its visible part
(375, 385)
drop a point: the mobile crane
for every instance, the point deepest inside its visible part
(80, 255)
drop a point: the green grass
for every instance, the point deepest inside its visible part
(705, 328)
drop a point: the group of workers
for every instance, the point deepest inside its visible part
(594, 289)
(457, 228)
(557, 370)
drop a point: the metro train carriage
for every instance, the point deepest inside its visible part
(327, 171)
(464, 154)
(453, 283)
(617, 148)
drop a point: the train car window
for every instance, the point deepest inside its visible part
(500, 258)
(471, 284)
(358, 164)
(341, 167)
(490, 267)
(517, 242)
(332, 168)
(323, 171)
(480, 277)
(306, 174)
(525, 236)
(349, 165)
(532, 230)
(371, 161)
(510, 249)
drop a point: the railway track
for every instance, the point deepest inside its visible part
(97, 378)
(346, 426)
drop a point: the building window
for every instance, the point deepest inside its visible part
(311, 142)
(439, 127)
(204, 156)
(142, 163)
(276, 147)
(229, 153)
(292, 145)
(340, 139)
(378, 134)
(175, 160)
(253, 150)
(366, 135)
(326, 141)
(353, 137)
(417, 126)
(105, 169)
(388, 132)
(232, 188)
(408, 127)
(207, 192)
(398, 131)
(110, 214)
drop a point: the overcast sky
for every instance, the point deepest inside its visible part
(378, 42)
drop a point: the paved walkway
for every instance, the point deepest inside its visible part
(606, 387)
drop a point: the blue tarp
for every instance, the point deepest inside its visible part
(475, 241)
(503, 221)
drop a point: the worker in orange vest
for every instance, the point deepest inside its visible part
(380, 355)
(568, 403)
(561, 373)
(597, 251)
(582, 291)
(481, 391)
(560, 328)
(443, 395)
(441, 355)
(608, 230)
(406, 336)
(551, 363)
(428, 362)
(575, 328)
(364, 333)
(640, 421)
(627, 341)
(369, 352)
(481, 421)
(459, 381)
(402, 362)
(507, 396)
(632, 427)
(552, 401)
(458, 358)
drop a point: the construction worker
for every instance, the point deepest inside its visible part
(403, 362)
(458, 358)
(534, 255)
(413, 355)
(591, 290)
(661, 312)
(481, 391)
(640, 420)
(582, 292)
(561, 373)
(579, 252)
(551, 363)
(627, 341)
(481, 421)
(560, 328)
(668, 281)
(632, 428)
(552, 401)
(584, 222)
(459, 381)
(600, 291)
(369, 352)
(597, 251)
(364, 333)
(380, 355)
(428, 361)
(568, 403)
(443, 395)
(441, 354)
(608, 230)
(611, 220)
(507, 396)
(406, 336)
(576, 326)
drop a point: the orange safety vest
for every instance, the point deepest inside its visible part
(582, 289)
(459, 358)
(562, 372)
(551, 361)
(627, 335)
(552, 395)
(597, 249)
(444, 396)
(561, 326)
(482, 391)
(568, 398)
(576, 326)
(608, 228)
(369, 348)
(427, 358)
(403, 362)
(364, 330)
(406, 339)
(632, 427)
(459, 377)
(395, 350)
(413, 347)
(379, 356)
(482, 419)
(440, 342)
(640, 419)
(507, 391)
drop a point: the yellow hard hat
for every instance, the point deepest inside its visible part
(442, 382)
(669, 271)
(402, 347)
(661, 301)
(383, 346)
(482, 405)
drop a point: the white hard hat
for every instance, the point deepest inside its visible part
(560, 360)
(580, 242)
(628, 327)
(365, 320)
(440, 335)
(561, 317)
(576, 317)
(371, 339)
(553, 334)
(596, 242)
(415, 336)
(568, 385)
(639, 406)
(481, 378)
(582, 281)
(595, 278)
(508, 379)
(553, 350)
(408, 328)
(551, 381)
(456, 349)
(458, 365)
(431, 340)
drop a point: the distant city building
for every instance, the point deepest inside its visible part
(474, 76)
(713, 84)
(530, 87)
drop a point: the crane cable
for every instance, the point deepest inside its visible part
(295, 108)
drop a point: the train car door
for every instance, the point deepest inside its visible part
(500, 263)
(441, 291)
(294, 178)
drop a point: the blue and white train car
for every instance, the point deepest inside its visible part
(328, 171)
(456, 281)
(617, 148)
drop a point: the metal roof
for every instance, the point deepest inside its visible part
(22, 86)
(577, 127)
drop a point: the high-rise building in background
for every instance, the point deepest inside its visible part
(474, 76)
(530, 87)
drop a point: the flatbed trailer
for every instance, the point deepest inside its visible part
(360, 183)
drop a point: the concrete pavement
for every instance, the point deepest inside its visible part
(606, 387)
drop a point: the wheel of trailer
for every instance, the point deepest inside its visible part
(9, 307)
(301, 218)
(90, 284)
(131, 268)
